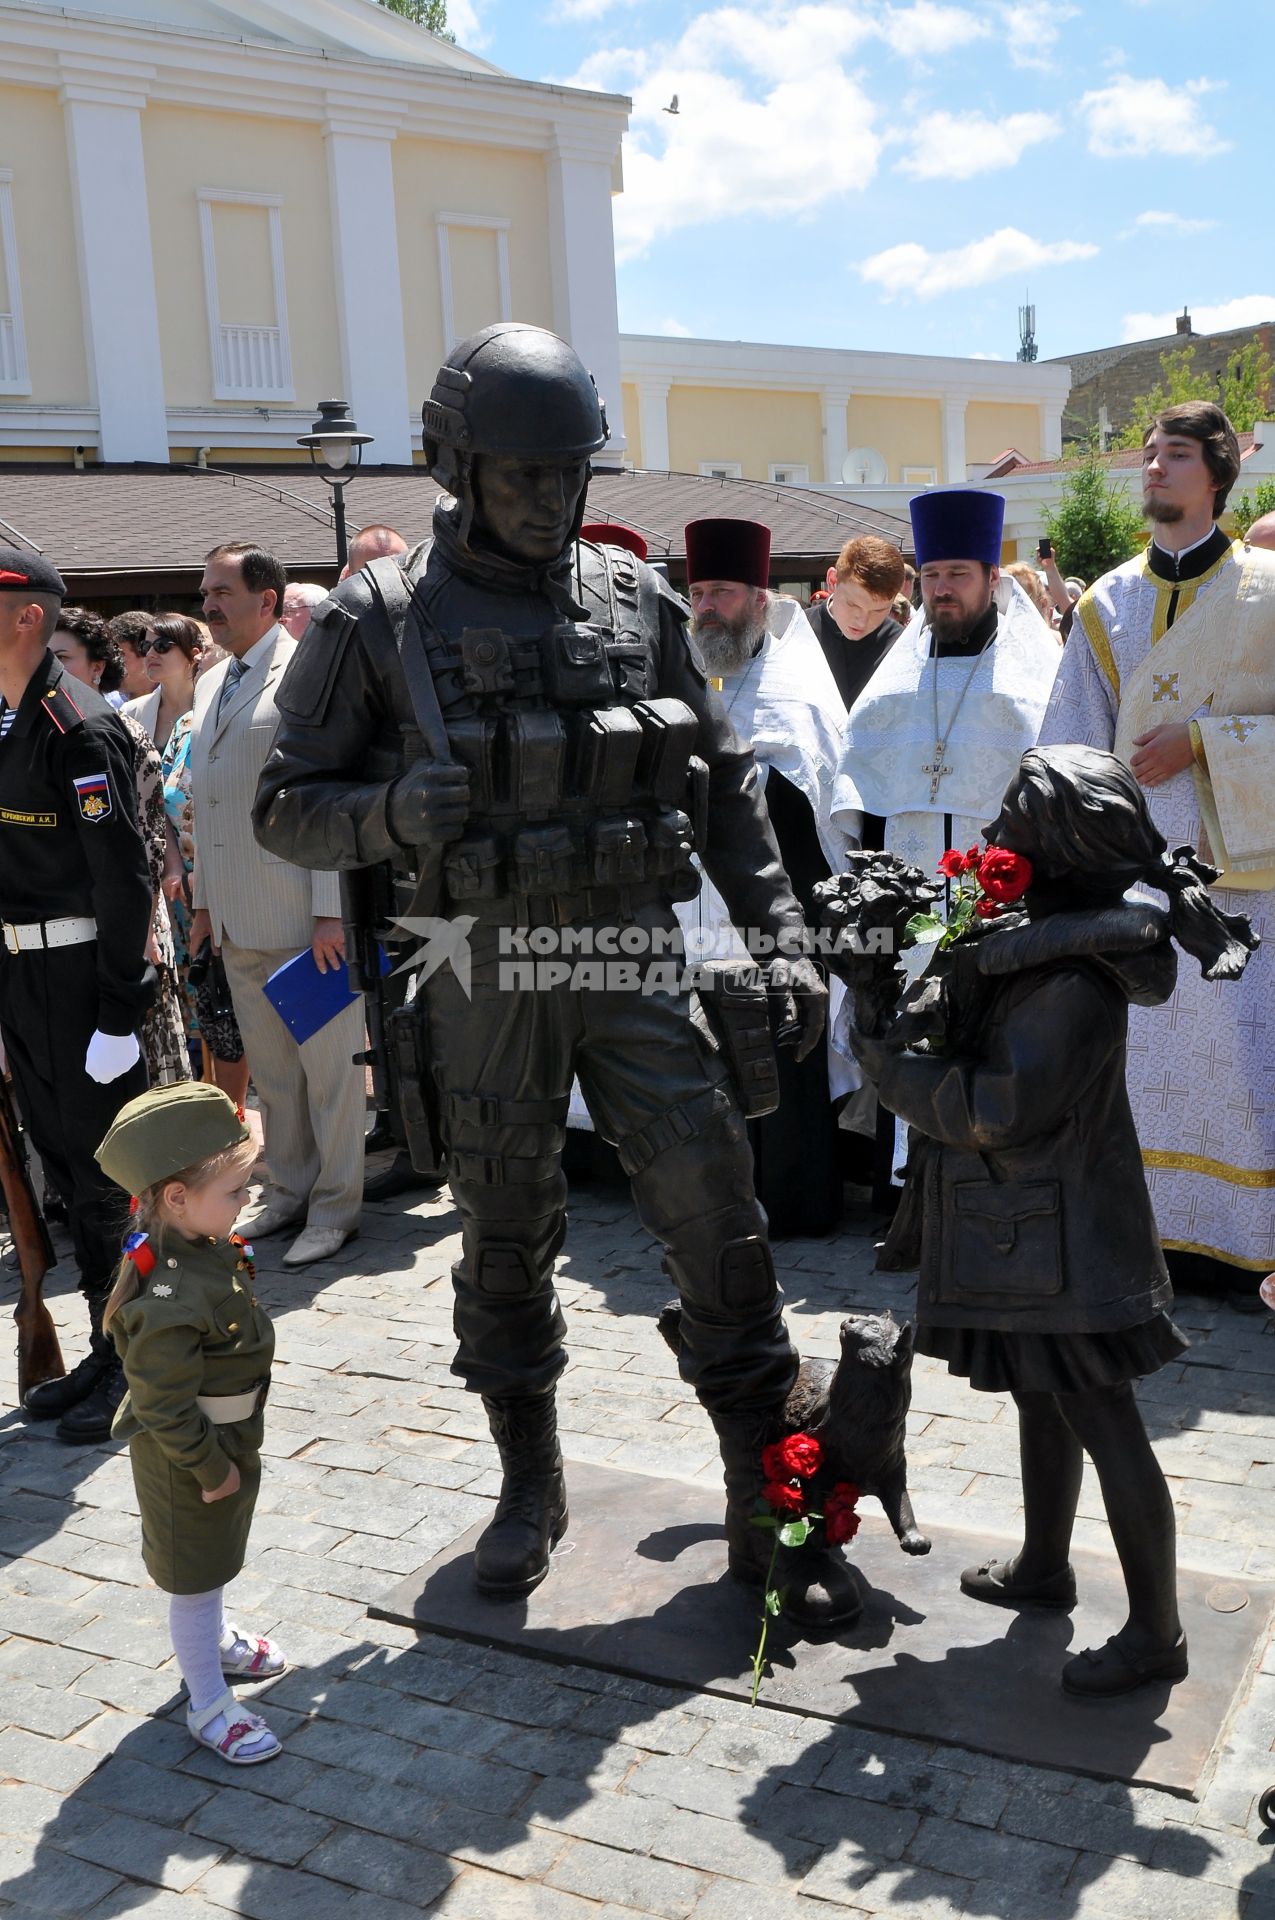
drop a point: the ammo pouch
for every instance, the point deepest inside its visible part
(668, 734)
(541, 861)
(473, 743)
(537, 745)
(617, 853)
(472, 868)
(736, 1004)
(406, 1039)
(486, 667)
(1004, 1240)
(669, 852)
(575, 668)
(608, 744)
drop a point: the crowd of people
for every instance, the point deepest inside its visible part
(179, 800)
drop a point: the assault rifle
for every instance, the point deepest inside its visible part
(39, 1355)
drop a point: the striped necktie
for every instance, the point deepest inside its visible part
(234, 675)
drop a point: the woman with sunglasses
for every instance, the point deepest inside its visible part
(174, 653)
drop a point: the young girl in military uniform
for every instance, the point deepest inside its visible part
(196, 1349)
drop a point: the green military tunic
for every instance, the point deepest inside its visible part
(195, 1328)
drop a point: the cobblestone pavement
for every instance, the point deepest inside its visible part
(422, 1775)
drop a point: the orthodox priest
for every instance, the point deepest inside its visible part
(936, 735)
(781, 698)
(1171, 665)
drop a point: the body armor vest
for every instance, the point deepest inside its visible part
(583, 780)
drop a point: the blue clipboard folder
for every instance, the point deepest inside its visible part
(305, 999)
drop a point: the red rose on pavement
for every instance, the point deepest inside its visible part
(954, 864)
(783, 1498)
(795, 1458)
(840, 1520)
(987, 910)
(1004, 876)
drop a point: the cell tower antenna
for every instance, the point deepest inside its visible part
(1027, 333)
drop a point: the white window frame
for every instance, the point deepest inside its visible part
(15, 351)
(225, 387)
(789, 473)
(497, 223)
(918, 476)
(722, 469)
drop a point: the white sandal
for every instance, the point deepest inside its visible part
(263, 1661)
(244, 1727)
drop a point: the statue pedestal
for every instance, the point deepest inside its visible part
(639, 1587)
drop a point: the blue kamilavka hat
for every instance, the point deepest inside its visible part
(957, 523)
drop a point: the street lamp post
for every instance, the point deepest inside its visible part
(332, 441)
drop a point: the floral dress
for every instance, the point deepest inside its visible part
(163, 1034)
(207, 1012)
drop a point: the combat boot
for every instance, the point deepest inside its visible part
(512, 1555)
(90, 1419)
(819, 1590)
(53, 1398)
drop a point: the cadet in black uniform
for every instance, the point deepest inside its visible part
(525, 739)
(75, 908)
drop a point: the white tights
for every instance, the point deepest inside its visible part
(200, 1637)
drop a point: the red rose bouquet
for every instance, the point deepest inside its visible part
(787, 1467)
(987, 881)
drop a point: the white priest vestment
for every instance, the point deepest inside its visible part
(1145, 650)
(937, 787)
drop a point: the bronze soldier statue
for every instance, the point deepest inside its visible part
(533, 728)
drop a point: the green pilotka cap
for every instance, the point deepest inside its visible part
(166, 1130)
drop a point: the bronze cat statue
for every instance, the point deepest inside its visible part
(856, 1409)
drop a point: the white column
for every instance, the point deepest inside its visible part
(582, 267)
(117, 271)
(653, 421)
(369, 295)
(954, 438)
(1051, 414)
(836, 441)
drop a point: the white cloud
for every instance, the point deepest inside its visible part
(571, 12)
(913, 269)
(1134, 118)
(758, 134)
(1030, 29)
(674, 330)
(986, 356)
(462, 18)
(1247, 310)
(927, 28)
(1169, 222)
(956, 146)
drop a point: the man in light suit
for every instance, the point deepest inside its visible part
(260, 912)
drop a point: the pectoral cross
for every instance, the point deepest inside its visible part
(937, 770)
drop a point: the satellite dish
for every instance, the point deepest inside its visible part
(864, 467)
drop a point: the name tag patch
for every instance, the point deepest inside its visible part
(93, 792)
(14, 817)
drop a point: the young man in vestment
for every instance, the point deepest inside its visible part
(1171, 665)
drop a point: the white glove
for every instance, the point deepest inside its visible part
(110, 1055)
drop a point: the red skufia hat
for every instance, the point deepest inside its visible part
(728, 550)
(609, 533)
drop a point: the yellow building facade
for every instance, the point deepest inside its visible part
(212, 218)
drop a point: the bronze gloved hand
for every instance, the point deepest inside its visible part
(805, 1003)
(429, 804)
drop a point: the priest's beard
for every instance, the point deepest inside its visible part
(1162, 513)
(953, 623)
(728, 645)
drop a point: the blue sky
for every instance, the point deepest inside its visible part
(898, 174)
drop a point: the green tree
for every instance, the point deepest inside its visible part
(426, 13)
(1251, 506)
(1093, 527)
(1242, 389)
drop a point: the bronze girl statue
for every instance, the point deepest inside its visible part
(1041, 1272)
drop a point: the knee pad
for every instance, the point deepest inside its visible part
(745, 1274)
(507, 1272)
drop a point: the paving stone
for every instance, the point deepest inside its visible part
(383, 1866)
(155, 1904)
(263, 1829)
(45, 1763)
(849, 1877)
(255, 1891)
(130, 1786)
(145, 1851)
(42, 1878)
(43, 1710)
(651, 1886)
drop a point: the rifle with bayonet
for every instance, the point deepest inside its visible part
(39, 1355)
